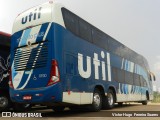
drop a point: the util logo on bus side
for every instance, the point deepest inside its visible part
(32, 16)
(97, 66)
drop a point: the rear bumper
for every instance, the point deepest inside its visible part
(47, 94)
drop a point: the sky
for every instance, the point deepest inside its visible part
(135, 23)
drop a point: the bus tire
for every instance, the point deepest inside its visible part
(97, 101)
(110, 99)
(5, 103)
(146, 101)
(58, 108)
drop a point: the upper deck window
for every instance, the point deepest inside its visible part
(88, 32)
(71, 21)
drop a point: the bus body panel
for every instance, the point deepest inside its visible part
(82, 65)
(75, 83)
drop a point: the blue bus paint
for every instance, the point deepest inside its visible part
(67, 57)
(82, 66)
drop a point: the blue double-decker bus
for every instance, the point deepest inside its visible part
(60, 60)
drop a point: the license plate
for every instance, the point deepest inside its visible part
(27, 97)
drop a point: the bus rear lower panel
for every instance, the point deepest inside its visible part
(45, 94)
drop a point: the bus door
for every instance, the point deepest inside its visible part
(72, 83)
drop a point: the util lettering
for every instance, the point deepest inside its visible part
(32, 16)
(97, 65)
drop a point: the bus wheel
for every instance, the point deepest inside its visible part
(146, 101)
(4, 103)
(110, 99)
(58, 108)
(97, 101)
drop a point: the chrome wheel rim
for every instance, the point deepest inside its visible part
(97, 100)
(110, 99)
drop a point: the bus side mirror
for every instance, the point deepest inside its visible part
(154, 78)
(150, 77)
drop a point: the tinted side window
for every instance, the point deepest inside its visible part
(143, 82)
(145, 63)
(134, 54)
(137, 80)
(128, 78)
(120, 75)
(70, 21)
(100, 38)
(114, 46)
(90, 33)
(114, 74)
(139, 60)
(126, 53)
(85, 30)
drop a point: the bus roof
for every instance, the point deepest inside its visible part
(43, 13)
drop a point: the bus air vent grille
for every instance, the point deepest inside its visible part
(31, 57)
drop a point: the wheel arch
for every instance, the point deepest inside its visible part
(100, 88)
(114, 91)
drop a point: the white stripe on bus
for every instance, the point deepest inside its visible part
(109, 67)
(48, 28)
(33, 31)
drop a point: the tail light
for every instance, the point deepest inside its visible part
(54, 74)
(10, 78)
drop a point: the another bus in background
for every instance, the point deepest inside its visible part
(5, 101)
